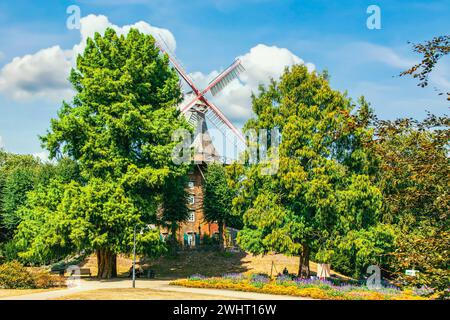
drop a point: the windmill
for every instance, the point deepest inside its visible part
(197, 108)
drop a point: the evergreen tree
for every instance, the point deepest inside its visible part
(118, 129)
(217, 198)
(322, 188)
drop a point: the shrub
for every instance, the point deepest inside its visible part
(13, 275)
(44, 280)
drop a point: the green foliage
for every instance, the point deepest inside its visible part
(414, 177)
(425, 250)
(20, 174)
(216, 194)
(217, 198)
(17, 176)
(17, 184)
(322, 189)
(120, 123)
(414, 173)
(118, 132)
(41, 237)
(174, 204)
(358, 249)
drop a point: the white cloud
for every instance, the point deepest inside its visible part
(92, 24)
(44, 74)
(43, 156)
(388, 56)
(261, 64)
(363, 52)
(1, 142)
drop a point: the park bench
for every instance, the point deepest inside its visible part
(83, 272)
(58, 272)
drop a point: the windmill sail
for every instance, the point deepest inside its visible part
(222, 80)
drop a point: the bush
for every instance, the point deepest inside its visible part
(8, 251)
(44, 280)
(14, 275)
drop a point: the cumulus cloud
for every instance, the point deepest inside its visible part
(261, 64)
(1, 142)
(93, 23)
(44, 74)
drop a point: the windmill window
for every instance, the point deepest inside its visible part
(191, 184)
(191, 199)
(191, 217)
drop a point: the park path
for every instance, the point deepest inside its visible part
(156, 285)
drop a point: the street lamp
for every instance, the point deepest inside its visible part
(134, 250)
(134, 256)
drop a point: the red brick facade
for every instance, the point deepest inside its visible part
(193, 230)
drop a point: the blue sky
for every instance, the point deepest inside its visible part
(209, 35)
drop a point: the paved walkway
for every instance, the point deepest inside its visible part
(156, 285)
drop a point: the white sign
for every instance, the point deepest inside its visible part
(412, 273)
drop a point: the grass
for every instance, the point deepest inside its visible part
(5, 293)
(138, 294)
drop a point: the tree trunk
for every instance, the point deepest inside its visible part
(106, 264)
(300, 266)
(173, 238)
(221, 246)
(303, 267)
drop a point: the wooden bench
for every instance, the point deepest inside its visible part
(58, 272)
(83, 272)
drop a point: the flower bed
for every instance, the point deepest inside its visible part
(317, 289)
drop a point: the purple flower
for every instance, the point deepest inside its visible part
(197, 277)
(259, 279)
(234, 276)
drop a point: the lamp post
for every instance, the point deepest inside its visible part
(134, 256)
(134, 250)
